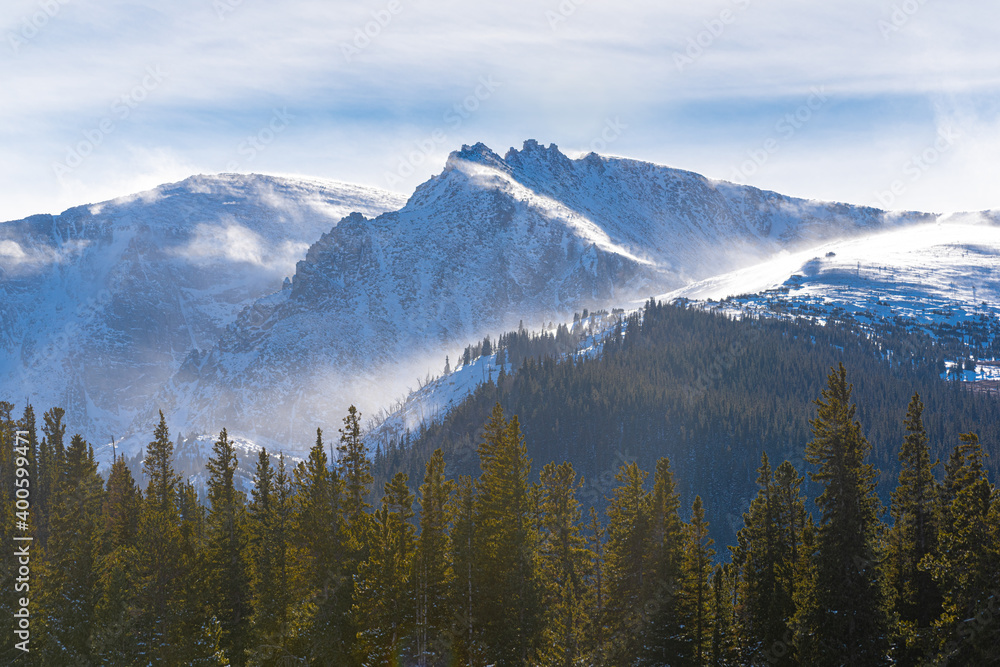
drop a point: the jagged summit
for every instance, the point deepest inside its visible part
(487, 243)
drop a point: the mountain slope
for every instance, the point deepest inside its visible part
(100, 305)
(490, 241)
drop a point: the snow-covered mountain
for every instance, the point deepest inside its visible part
(533, 235)
(100, 305)
(945, 271)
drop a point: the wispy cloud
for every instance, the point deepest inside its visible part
(229, 69)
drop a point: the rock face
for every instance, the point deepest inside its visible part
(99, 306)
(491, 241)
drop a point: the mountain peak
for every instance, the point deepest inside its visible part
(478, 153)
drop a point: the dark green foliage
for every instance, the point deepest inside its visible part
(711, 394)
(226, 550)
(499, 569)
(849, 619)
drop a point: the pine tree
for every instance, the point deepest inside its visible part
(159, 469)
(355, 470)
(913, 537)
(464, 632)
(51, 458)
(383, 594)
(595, 645)
(564, 562)
(159, 553)
(662, 638)
(114, 639)
(69, 573)
(766, 555)
(268, 551)
(966, 564)
(320, 574)
(225, 556)
(196, 635)
(507, 540)
(849, 620)
(626, 565)
(725, 649)
(432, 566)
(696, 591)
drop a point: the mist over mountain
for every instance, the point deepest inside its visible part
(175, 299)
(100, 305)
(492, 241)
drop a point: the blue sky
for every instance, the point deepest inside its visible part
(891, 103)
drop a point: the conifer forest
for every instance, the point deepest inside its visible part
(707, 491)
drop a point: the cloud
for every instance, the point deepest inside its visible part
(228, 70)
(231, 242)
(19, 258)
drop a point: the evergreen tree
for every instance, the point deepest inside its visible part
(320, 576)
(114, 639)
(913, 537)
(197, 635)
(725, 648)
(766, 555)
(158, 467)
(225, 555)
(663, 638)
(69, 591)
(464, 631)
(506, 541)
(159, 553)
(595, 644)
(51, 458)
(432, 569)
(355, 470)
(267, 554)
(383, 594)
(626, 565)
(696, 591)
(966, 564)
(848, 621)
(564, 563)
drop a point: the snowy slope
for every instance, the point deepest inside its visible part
(533, 235)
(932, 273)
(945, 271)
(101, 304)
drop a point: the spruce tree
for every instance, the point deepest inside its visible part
(158, 467)
(383, 593)
(69, 574)
(766, 555)
(507, 541)
(848, 620)
(115, 640)
(912, 538)
(321, 577)
(267, 561)
(564, 563)
(725, 647)
(226, 549)
(159, 553)
(966, 564)
(627, 565)
(355, 470)
(696, 591)
(432, 569)
(466, 649)
(663, 638)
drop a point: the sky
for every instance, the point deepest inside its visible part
(893, 104)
